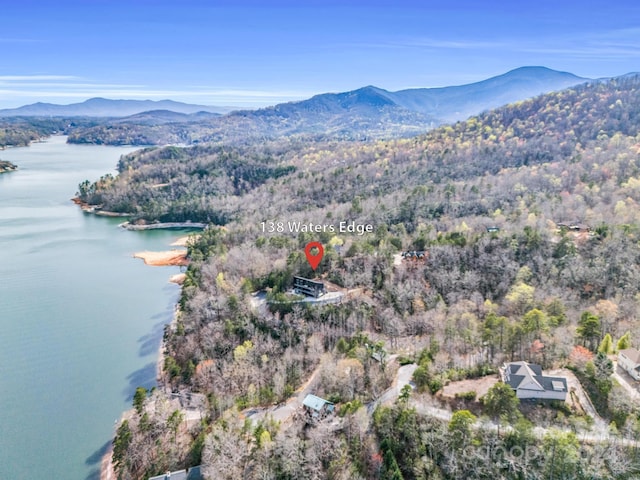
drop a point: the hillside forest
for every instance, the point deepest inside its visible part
(528, 216)
(22, 131)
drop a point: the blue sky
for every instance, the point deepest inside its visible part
(252, 53)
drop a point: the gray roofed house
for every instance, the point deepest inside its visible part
(318, 407)
(192, 473)
(529, 383)
(629, 359)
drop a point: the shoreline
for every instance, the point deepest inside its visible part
(107, 471)
(97, 209)
(170, 258)
(159, 225)
(184, 241)
(40, 139)
(178, 278)
(161, 351)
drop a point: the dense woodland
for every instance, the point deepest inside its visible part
(529, 289)
(371, 121)
(21, 131)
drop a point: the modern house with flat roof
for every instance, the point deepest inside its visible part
(529, 383)
(308, 287)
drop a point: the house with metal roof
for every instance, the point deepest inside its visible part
(529, 382)
(317, 407)
(192, 473)
(629, 360)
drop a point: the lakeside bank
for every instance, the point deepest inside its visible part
(157, 259)
(163, 226)
(168, 258)
(71, 357)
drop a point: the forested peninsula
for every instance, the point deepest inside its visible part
(22, 131)
(512, 236)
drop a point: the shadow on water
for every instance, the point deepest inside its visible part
(95, 459)
(143, 377)
(93, 475)
(150, 343)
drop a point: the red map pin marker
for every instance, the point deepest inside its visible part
(314, 260)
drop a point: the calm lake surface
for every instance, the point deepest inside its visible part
(80, 319)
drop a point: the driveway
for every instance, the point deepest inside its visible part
(285, 411)
(626, 382)
(574, 385)
(403, 377)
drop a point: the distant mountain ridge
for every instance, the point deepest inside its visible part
(364, 113)
(103, 107)
(460, 102)
(446, 104)
(161, 117)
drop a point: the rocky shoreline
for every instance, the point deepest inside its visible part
(168, 258)
(138, 225)
(7, 166)
(107, 470)
(97, 209)
(160, 225)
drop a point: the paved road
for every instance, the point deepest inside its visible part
(599, 434)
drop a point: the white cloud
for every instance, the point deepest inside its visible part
(618, 44)
(36, 78)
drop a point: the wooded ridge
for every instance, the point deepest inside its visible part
(528, 221)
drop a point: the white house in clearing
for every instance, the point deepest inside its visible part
(529, 382)
(629, 359)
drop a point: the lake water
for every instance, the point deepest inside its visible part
(80, 319)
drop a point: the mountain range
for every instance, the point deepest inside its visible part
(103, 107)
(446, 104)
(368, 112)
